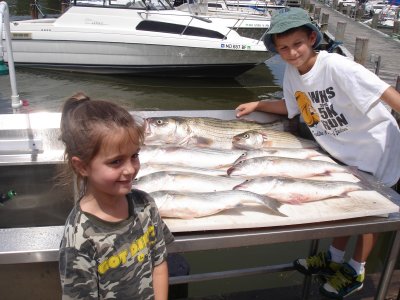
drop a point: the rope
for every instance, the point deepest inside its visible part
(48, 8)
(334, 46)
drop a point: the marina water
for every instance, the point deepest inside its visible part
(46, 91)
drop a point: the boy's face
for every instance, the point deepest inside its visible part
(296, 48)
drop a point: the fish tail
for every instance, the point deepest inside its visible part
(363, 182)
(273, 205)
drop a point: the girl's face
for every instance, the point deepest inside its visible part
(296, 48)
(111, 171)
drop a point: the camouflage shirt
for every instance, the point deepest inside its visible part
(103, 260)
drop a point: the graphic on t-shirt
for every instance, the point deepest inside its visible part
(316, 108)
(308, 112)
(137, 250)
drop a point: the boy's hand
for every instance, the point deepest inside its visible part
(246, 108)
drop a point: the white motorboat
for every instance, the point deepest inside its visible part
(247, 22)
(386, 15)
(374, 7)
(133, 37)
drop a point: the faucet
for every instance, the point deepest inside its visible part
(4, 197)
(16, 103)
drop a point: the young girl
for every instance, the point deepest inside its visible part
(114, 240)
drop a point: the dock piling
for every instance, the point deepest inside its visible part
(34, 9)
(348, 10)
(396, 27)
(324, 22)
(361, 50)
(340, 7)
(317, 14)
(375, 19)
(335, 4)
(340, 29)
(64, 6)
(311, 8)
(376, 59)
(359, 13)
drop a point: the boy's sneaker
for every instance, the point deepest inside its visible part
(320, 264)
(343, 283)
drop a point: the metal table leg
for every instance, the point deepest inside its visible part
(307, 279)
(388, 266)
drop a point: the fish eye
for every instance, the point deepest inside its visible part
(159, 122)
(246, 136)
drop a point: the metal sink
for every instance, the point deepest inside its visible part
(39, 201)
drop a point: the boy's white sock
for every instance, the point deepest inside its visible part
(357, 266)
(336, 254)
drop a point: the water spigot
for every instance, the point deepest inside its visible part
(4, 197)
(3, 68)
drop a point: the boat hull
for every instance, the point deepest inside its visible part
(122, 58)
(212, 71)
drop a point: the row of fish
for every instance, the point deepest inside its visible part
(283, 189)
(187, 205)
(224, 134)
(214, 158)
(195, 167)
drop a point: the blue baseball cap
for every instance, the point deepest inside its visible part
(288, 18)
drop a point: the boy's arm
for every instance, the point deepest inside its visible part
(392, 98)
(274, 107)
(160, 281)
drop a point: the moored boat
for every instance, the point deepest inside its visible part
(247, 22)
(117, 37)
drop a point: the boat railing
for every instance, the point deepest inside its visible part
(16, 103)
(239, 19)
(125, 4)
(193, 14)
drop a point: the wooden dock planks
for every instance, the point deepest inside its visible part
(379, 44)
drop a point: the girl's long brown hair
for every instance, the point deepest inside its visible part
(84, 124)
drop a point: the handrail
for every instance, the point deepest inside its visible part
(16, 103)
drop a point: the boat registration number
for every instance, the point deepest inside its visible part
(235, 46)
(21, 36)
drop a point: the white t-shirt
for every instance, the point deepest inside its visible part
(339, 101)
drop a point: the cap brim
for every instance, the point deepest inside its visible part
(270, 44)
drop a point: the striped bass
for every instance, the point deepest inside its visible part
(201, 132)
(190, 157)
(296, 190)
(184, 182)
(284, 166)
(146, 169)
(299, 153)
(256, 139)
(172, 204)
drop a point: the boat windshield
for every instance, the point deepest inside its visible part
(133, 4)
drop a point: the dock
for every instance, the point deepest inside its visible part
(379, 44)
(295, 292)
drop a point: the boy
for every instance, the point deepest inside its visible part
(339, 101)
